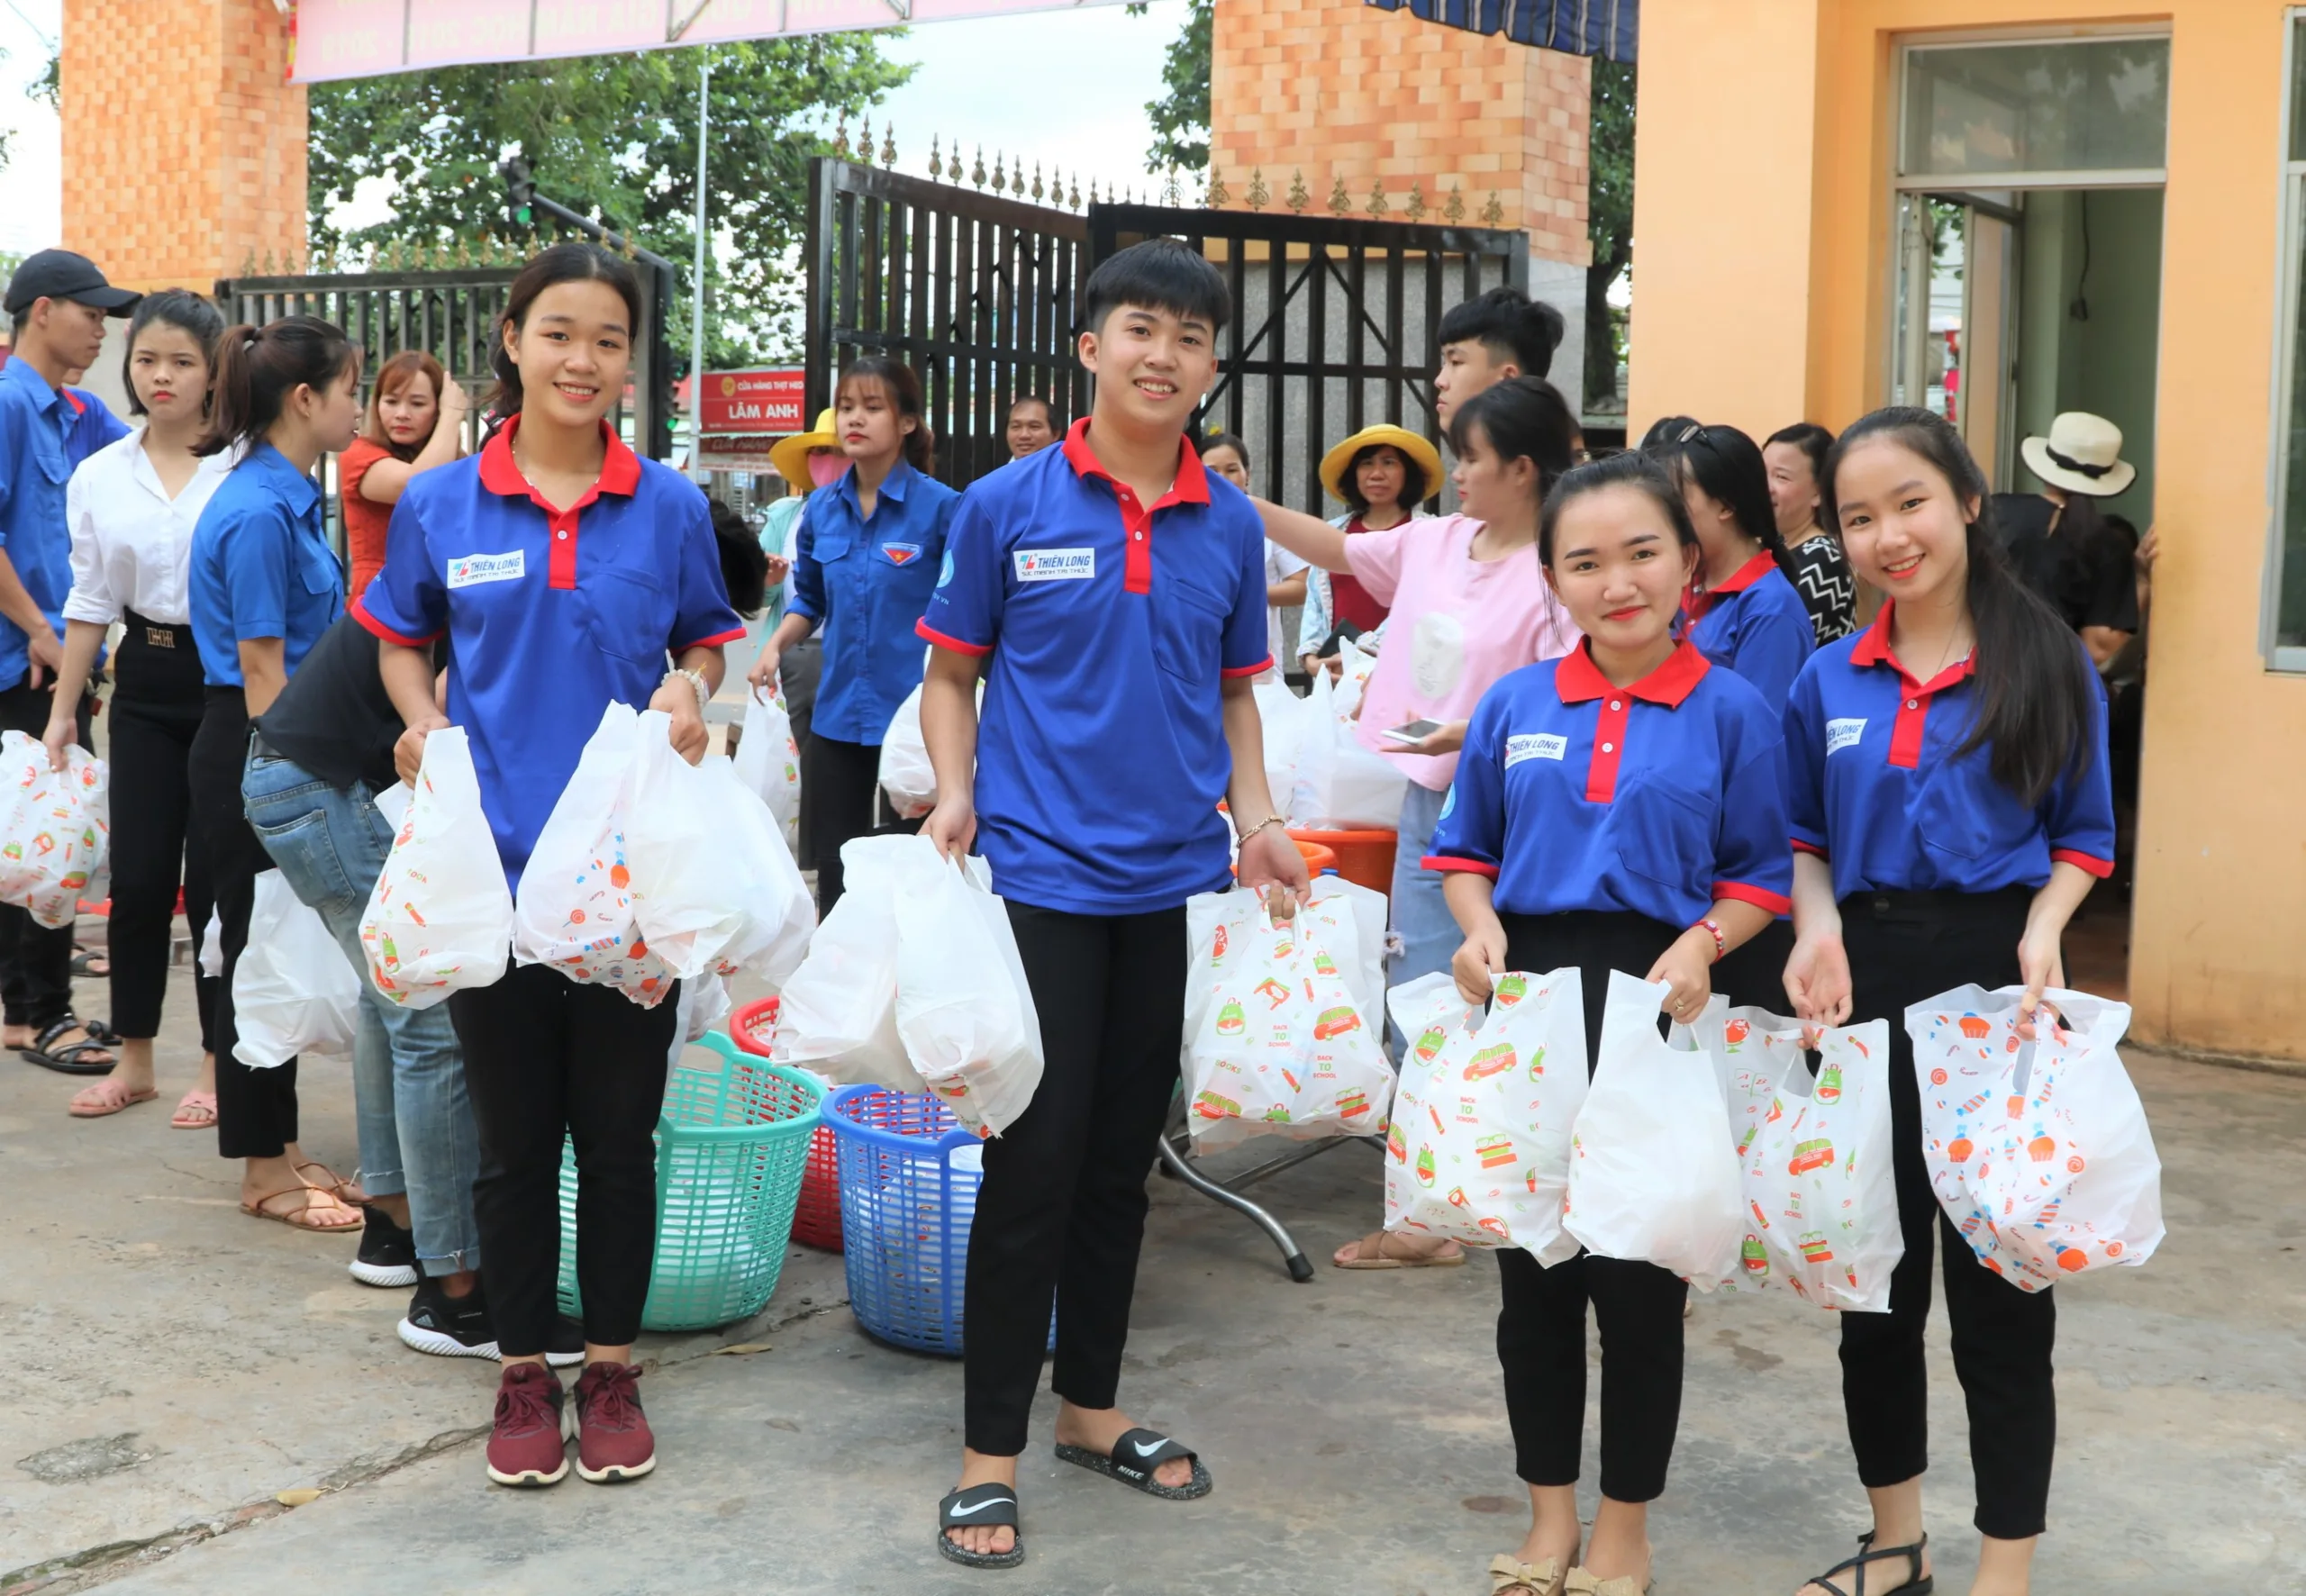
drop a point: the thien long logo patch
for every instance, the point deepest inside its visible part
(467, 569)
(1056, 565)
(1843, 734)
(1536, 744)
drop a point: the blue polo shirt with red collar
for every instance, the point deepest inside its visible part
(44, 435)
(1655, 799)
(552, 614)
(1110, 626)
(261, 566)
(1874, 787)
(1756, 624)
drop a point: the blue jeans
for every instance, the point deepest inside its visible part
(1422, 919)
(408, 1073)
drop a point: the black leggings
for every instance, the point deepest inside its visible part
(1905, 947)
(840, 800)
(1061, 1215)
(35, 961)
(157, 709)
(546, 1058)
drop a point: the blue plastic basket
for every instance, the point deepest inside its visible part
(906, 1204)
(731, 1145)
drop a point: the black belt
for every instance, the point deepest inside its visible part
(154, 634)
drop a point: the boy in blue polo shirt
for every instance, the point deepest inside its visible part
(1094, 800)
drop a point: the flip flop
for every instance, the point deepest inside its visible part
(201, 1104)
(293, 1218)
(69, 1058)
(107, 1096)
(1135, 1457)
(1437, 1261)
(85, 960)
(991, 1505)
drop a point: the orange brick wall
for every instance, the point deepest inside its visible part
(1339, 88)
(184, 147)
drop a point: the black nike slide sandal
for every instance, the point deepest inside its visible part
(991, 1506)
(1135, 1457)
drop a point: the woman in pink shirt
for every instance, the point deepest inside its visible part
(1469, 603)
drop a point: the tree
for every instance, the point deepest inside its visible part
(1608, 225)
(1181, 115)
(613, 136)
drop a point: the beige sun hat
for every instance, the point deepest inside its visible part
(2083, 455)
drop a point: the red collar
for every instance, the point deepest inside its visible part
(1873, 647)
(1579, 680)
(1190, 487)
(620, 470)
(1738, 581)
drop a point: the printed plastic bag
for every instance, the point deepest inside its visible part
(837, 1016)
(55, 830)
(2039, 1151)
(714, 888)
(1478, 1150)
(906, 775)
(293, 991)
(1653, 1176)
(1340, 786)
(1282, 1033)
(768, 762)
(576, 910)
(1814, 1156)
(441, 917)
(964, 1010)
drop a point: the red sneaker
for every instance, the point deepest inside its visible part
(529, 1444)
(613, 1441)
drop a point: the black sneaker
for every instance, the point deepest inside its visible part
(387, 1253)
(459, 1326)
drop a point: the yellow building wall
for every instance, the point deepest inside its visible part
(1762, 224)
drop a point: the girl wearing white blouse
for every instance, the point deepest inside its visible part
(131, 507)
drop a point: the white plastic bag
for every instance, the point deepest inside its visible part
(55, 830)
(1282, 715)
(1814, 1156)
(1340, 786)
(576, 908)
(211, 948)
(906, 775)
(1354, 666)
(293, 992)
(1478, 1150)
(1652, 1172)
(2039, 1151)
(441, 917)
(768, 762)
(1281, 1018)
(837, 1016)
(964, 1010)
(714, 888)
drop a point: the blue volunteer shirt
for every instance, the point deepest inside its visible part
(261, 566)
(1102, 753)
(1873, 787)
(1657, 799)
(548, 628)
(868, 579)
(1756, 625)
(45, 433)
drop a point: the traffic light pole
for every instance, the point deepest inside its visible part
(654, 425)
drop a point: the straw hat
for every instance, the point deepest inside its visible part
(2081, 455)
(789, 458)
(1413, 448)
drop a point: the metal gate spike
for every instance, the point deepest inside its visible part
(977, 172)
(1300, 196)
(865, 142)
(1341, 201)
(1415, 208)
(1219, 196)
(840, 139)
(1259, 193)
(1038, 190)
(889, 144)
(1493, 214)
(1453, 211)
(1377, 197)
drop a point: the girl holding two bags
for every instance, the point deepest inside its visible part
(1951, 807)
(563, 571)
(1618, 807)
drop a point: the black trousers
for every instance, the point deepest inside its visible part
(840, 786)
(35, 962)
(157, 707)
(546, 1058)
(1061, 1215)
(1904, 948)
(255, 1108)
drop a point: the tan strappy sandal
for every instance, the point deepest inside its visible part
(1581, 1582)
(1509, 1576)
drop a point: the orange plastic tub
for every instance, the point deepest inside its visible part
(1362, 857)
(1317, 857)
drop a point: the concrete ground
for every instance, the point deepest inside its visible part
(178, 1367)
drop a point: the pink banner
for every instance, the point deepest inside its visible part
(371, 38)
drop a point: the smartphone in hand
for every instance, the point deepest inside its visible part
(1415, 731)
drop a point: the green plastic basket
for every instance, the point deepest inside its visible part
(731, 1145)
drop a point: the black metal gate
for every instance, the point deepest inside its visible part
(1332, 327)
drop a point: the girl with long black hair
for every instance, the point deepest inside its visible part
(265, 585)
(1744, 612)
(1950, 809)
(1618, 807)
(131, 507)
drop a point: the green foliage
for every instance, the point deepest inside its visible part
(1608, 225)
(1181, 115)
(613, 136)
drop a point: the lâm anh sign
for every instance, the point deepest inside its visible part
(767, 400)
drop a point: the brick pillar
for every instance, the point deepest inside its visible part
(1339, 88)
(184, 144)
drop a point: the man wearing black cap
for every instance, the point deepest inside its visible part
(58, 302)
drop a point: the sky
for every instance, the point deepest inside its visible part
(1061, 86)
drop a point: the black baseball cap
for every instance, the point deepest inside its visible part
(60, 274)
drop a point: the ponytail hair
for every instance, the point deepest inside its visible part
(1524, 418)
(1726, 466)
(2035, 695)
(257, 367)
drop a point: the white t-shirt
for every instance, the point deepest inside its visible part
(1280, 565)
